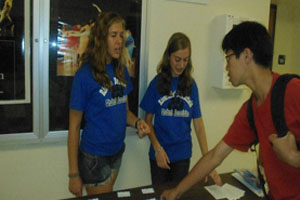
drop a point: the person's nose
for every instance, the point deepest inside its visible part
(182, 63)
(227, 67)
(119, 39)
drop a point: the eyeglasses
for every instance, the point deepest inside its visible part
(227, 57)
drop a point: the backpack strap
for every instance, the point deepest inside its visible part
(250, 117)
(277, 107)
(277, 103)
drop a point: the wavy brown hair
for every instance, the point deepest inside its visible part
(96, 53)
(178, 41)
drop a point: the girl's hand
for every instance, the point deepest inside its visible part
(143, 128)
(162, 158)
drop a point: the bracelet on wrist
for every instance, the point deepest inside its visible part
(158, 150)
(136, 123)
(75, 175)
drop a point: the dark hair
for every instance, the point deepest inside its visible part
(178, 41)
(250, 35)
(96, 52)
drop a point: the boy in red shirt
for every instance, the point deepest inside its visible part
(249, 52)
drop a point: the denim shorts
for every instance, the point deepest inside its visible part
(98, 170)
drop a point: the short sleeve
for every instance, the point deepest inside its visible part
(240, 135)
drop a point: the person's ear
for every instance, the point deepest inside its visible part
(248, 55)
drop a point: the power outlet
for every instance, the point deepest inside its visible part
(281, 59)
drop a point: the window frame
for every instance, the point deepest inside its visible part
(40, 77)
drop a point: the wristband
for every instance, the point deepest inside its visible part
(75, 175)
(158, 150)
(136, 123)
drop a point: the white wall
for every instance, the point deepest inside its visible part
(287, 33)
(40, 171)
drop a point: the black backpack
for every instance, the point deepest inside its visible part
(277, 107)
(277, 111)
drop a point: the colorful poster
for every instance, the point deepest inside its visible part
(73, 32)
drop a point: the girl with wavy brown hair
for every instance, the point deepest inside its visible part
(99, 95)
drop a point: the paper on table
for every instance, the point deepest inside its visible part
(123, 194)
(226, 191)
(147, 190)
(216, 191)
(233, 192)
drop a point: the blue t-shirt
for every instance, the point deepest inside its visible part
(104, 110)
(172, 119)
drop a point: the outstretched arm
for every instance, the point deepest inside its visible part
(201, 136)
(202, 168)
(286, 149)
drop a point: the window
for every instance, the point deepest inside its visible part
(15, 70)
(41, 58)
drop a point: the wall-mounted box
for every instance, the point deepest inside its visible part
(221, 25)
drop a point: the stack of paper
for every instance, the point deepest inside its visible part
(249, 179)
(225, 191)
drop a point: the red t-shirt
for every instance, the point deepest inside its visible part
(283, 180)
